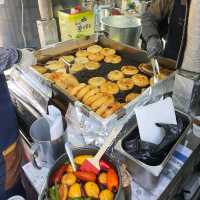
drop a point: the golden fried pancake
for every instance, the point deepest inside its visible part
(140, 80)
(104, 106)
(94, 49)
(55, 66)
(101, 101)
(93, 98)
(125, 84)
(96, 81)
(69, 80)
(92, 92)
(111, 109)
(53, 76)
(40, 69)
(115, 75)
(61, 83)
(91, 65)
(81, 60)
(129, 70)
(114, 59)
(131, 96)
(109, 87)
(82, 53)
(146, 68)
(97, 57)
(63, 70)
(83, 91)
(107, 52)
(76, 89)
(76, 68)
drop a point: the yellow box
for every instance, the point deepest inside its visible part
(73, 26)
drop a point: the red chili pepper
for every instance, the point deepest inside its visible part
(104, 165)
(57, 175)
(112, 180)
(86, 176)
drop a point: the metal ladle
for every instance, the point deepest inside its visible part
(70, 155)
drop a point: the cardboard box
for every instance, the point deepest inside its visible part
(74, 26)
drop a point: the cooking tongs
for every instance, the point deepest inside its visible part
(156, 70)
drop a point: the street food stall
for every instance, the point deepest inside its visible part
(98, 91)
(43, 88)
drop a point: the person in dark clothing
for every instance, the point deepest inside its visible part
(164, 19)
(10, 149)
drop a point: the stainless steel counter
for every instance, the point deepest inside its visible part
(188, 168)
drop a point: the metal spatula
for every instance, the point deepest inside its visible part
(156, 70)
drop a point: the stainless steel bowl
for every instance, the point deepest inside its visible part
(81, 151)
(124, 29)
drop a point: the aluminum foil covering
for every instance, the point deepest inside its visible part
(84, 129)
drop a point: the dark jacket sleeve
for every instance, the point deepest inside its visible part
(158, 10)
(8, 57)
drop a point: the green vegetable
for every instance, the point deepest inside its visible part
(53, 193)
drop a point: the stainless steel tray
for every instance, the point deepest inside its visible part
(144, 174)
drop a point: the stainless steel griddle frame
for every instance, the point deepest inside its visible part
(50, 89)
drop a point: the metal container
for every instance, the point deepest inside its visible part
(146, 175)
(187, 92)
(45, 150)
(125, 29)
(81, 151)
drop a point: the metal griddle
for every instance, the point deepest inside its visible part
(84, 75)
(130, 56)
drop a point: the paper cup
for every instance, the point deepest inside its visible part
(196, 126)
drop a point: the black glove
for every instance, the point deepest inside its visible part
(154, 47)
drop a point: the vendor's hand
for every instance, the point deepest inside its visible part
(27, 58)
(154, 47)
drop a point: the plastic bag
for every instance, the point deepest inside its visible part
(152, 154)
